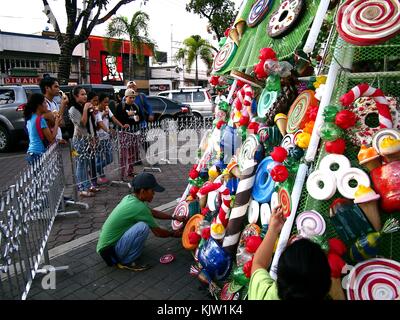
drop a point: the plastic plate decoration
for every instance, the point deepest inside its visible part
(167, 258)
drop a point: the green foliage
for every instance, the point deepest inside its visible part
(219, 13)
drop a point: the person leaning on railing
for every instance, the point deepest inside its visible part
(40, 136)
(81, 115)
(103, 118)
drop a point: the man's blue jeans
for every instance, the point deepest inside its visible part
(131, 244)
(81, 164)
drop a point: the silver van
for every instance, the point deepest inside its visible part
(198, 98)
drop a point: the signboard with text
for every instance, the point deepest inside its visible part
(21, 80)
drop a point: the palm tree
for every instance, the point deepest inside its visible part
(195, 47)
(137, 32)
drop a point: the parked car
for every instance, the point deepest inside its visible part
(199, 99)
(165, 109)
(12, 122)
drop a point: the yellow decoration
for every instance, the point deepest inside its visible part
(303, 140)
(320, 80)
(218, 228)
(363, 190)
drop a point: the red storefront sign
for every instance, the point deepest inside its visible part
(22, 80)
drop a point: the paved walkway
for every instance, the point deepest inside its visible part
(88, 276)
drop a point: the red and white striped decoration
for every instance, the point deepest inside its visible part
(382, 104)
(223, 214)
(243, 101)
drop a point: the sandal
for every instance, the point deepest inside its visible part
(87, 194)
(134, 267)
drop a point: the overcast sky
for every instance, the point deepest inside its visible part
(166, 16)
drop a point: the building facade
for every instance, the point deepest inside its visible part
(24, 59)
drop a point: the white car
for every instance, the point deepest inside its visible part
(199, 99)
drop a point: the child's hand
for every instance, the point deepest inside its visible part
(277, 220)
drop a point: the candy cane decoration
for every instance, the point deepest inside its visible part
(382, 104)
(243, 100)
(224, 210)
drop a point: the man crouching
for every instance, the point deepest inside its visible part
(125, 231)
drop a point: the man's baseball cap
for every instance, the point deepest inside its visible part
(146, 180)
(129, 93)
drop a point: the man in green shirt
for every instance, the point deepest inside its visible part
(125, 231)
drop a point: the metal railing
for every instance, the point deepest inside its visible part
(27, 212)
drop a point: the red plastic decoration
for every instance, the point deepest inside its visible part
(252, 243)
(244, 120)
(193, 173)
(337, 146)
(336, 263)
(386, 180)
(214, 80)
(312, 113)
(337, 246)
(259, 71)
(220, 123)
(253, 126)
(345, 119)
(205, 233)
(204, 211)
(279, 173)
(279, 154)
(193, 191)
(226, 33)
(267, 53)
(194, 238)
(247, 268)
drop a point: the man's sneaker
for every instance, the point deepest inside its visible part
(134, 266)
(103, 180)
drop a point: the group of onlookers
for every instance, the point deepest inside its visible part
(92, 117)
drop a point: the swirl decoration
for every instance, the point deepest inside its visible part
(366, 23)
(310, 223)
(248, 151)
(298, 113)
(288, 141)
(285, 201)
(265, 102)
(259, 10)
(264, 186)
(374, 279)
(224, 56)
(181, 210)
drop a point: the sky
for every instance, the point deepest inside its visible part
(166, 17)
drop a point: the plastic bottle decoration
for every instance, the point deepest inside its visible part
(348, 220)
(366, 247)
(215, 261)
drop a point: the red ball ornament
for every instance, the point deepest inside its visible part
(194, 238)
(337, 146)
(337, 246)
(312, 113)
(267, 53)
(244, 120)
(247, 268)
(259, 71)
(205, 233)
(220, 123)
(193, 191)
(254, 126)
(214, 80)
(279, 154)
(345, 119)
(279, 173)
(252, 243)
(336, 263)
(193, 174)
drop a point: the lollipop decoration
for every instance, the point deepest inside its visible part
(259, 10)
(298, 113)
(264, 185)
(374, 279)
(181, 210)
(310, 223)
(365, 23)
(224, 56)
(285, 201)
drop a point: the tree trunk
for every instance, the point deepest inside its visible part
(130, 73)
(64, 63)
(197, 73)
